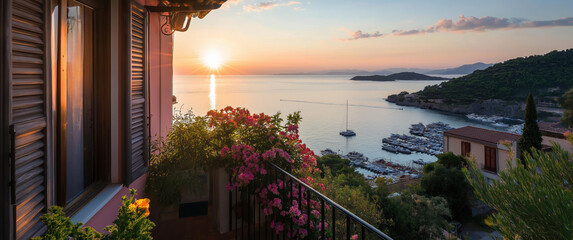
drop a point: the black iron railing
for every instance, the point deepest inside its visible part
(247, 219)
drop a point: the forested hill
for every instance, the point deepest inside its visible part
(398, 76)
(510, 80)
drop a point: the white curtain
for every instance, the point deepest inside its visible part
(75, 102)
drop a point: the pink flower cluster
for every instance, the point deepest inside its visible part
(259, 139)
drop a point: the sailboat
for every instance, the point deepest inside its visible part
(347, 133)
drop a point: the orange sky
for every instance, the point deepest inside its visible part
(292, 36)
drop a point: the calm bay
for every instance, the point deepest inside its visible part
(321, 99)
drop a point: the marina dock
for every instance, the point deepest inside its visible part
(379, 168)
(426, 139)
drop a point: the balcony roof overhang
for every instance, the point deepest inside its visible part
(180, 12)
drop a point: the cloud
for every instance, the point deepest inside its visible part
(290, 3)
(405, 33)
(474, 24)
(234, 2)
(360, 35)
(229, 3)
(268, 5)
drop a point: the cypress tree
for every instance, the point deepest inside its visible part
(531, 137)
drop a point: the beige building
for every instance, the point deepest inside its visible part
(487, 147)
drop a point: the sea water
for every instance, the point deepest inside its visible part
(321, 99)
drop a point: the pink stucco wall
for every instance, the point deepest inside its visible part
(108, 213)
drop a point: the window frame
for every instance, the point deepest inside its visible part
(489, 163)
(101, 107)
(465, 151)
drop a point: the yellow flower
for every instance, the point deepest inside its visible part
(140, 205)
(146, 213)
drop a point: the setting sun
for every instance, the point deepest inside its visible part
(213, 60)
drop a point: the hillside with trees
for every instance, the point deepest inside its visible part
(541, 75)
(398, 76)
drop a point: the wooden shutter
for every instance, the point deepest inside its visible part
(5, 109)
(490, 159)
(29, 94)
(466, 149)
(136, 94)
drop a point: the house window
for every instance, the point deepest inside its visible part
(490, 159)
(79, 100)
(466, 149)
(79, 161)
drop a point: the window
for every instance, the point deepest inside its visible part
(490, 159)
(76, 110)
(466, 149)
(79, 100)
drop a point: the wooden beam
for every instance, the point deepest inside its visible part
(190, 9)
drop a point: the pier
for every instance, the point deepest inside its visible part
(426, 139)
(380, 168)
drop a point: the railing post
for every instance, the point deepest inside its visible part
(347, 227)
(242, 216)
(304, 188)
(333, 223)
(307, 214)
(248, 211)
(230, 207)
(322, 217)
(290, 202)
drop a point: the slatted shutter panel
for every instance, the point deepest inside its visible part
(29, 116)
(137, 97)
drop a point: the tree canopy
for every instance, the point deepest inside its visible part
(444, 178)
(531, 203)
(566, 102)
(531, 137)
(543, 75)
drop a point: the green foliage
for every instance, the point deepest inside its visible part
(451, 160)
(61, 227)
(566, 102)
(131, 223)
(193, 146)
(178, 160)
(567, 118)
(449, 183)
(342, 173)
(429, 167)
(335, 163)
(445, 179)
(412, 216)
(409, 216)
(355, 199)
(398, 97)
(531, 137)
(534, 202)
(510, 80)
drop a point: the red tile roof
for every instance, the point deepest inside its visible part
(553, 127)
(481, 134)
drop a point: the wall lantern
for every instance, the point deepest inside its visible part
(180, 12)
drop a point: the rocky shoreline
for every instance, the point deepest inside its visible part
(483, 107)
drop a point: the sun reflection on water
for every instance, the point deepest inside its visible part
(212, 94)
